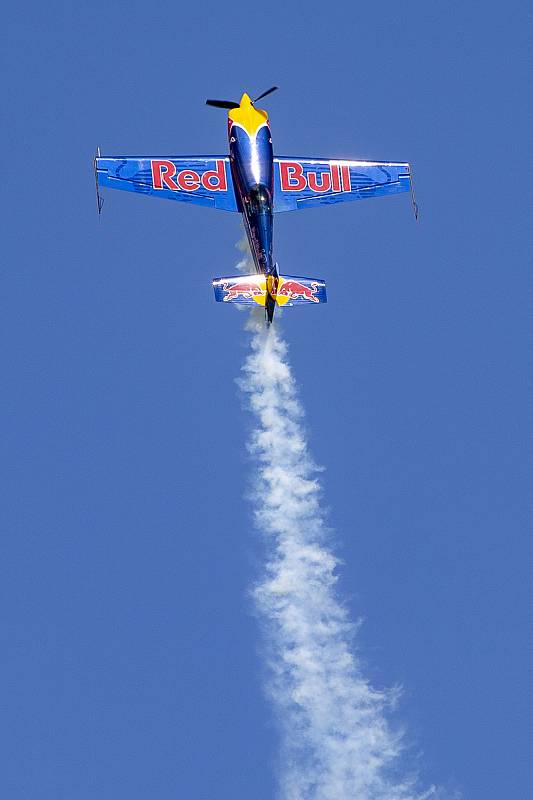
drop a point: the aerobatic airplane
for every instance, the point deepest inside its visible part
(257, 185)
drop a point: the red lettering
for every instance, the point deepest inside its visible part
(215, 179)
(292, 176)
(325, 181)
(346, 181)
(188, 180)
(335, 178)
(163, 173)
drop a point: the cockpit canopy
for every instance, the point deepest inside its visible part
(260, 199)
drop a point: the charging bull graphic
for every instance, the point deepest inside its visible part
(243, 289)
(292, 289)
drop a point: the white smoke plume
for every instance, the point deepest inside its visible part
(337, 742)
(246, 263)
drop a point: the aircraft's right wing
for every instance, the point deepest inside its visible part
(306, 182)
(203, 180)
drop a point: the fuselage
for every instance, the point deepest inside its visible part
(252, 167)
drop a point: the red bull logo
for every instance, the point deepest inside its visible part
(294, 177)
(249, 291)
(165, 176)
(292, 290)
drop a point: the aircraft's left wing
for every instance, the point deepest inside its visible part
(203, 180)
(306, 182)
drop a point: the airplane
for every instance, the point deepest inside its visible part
(258, 185)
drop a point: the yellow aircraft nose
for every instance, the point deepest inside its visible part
(247, 116)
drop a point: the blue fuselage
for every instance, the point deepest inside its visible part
(253, 174)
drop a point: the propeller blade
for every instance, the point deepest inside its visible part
(268, 91)
(221, 103)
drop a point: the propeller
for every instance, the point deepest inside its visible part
(230, 104)
(268, 91)
(222, 103)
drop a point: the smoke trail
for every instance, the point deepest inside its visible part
(337, 743)
(246, 263)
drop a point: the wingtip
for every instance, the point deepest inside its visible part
(99, 200)
(413, 198)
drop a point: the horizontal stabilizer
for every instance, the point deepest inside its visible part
(285, 290)
(292, 291)
(241, 289)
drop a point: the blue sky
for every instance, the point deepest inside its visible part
(131, 660)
